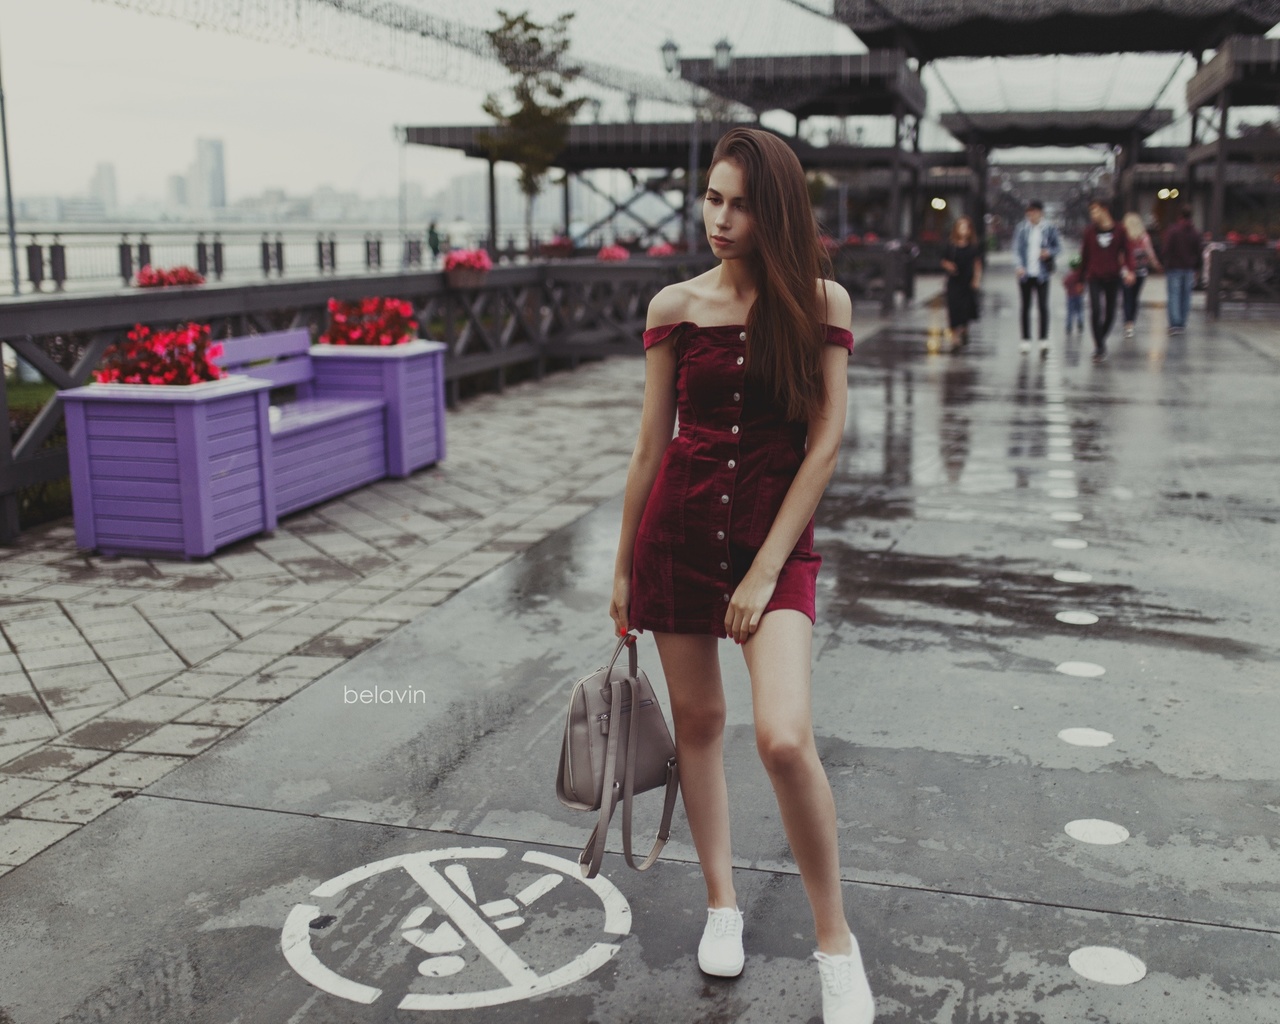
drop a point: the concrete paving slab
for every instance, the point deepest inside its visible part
(53, 763)
(1038, 752)
(208, 942)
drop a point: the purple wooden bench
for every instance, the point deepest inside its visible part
(326, 441)
(187, 470)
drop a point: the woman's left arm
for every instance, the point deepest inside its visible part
(825, 431)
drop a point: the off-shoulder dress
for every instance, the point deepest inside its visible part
(722, 480)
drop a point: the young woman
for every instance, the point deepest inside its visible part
(1106, 260)
(717, 526)
(963, 265)
(1144, 262)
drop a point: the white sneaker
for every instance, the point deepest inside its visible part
(720, 951)
(1024, 347)
(846, 994)
(1044, 349)
(1128, 330)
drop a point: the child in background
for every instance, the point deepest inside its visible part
(1074, 284)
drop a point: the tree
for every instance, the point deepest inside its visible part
(534, 133)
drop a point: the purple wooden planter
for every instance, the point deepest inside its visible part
(408, 377)
(170, 470)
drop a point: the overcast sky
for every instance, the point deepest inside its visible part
(88, 81)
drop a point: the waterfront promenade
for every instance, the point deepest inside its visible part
(1044, 686)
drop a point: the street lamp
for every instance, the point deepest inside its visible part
(721, 61)
(670, 56)
(723, 56)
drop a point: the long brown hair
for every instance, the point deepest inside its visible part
(785, 332)
(955, 231)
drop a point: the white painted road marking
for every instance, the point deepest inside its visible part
(463, 923)
(1107, 965)
(1082, 737)
(1096, 831)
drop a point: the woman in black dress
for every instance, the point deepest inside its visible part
(963, 264)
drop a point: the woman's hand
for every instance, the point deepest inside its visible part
(620, 603)
(748, 604)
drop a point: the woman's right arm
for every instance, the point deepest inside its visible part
(657, 424)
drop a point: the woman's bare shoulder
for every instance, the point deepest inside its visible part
(676, 302)
(835, 301)
(669, 305)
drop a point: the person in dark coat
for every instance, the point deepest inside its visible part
(962, 262)
(1181, 246)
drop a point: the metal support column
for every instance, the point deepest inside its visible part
(1217, 209)
(492, 242)
(692, 230)
(567, 233)
(894, 227)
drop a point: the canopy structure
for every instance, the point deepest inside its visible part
(667, 146)
(930, 29)
(1011, 128)
(985, 131)
(1245, 72)
(831, 85)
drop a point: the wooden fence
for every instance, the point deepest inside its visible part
(520, 317)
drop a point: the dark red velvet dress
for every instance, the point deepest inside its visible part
(718, 490)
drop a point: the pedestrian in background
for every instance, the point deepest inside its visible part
(962, 263)
(433, 242)
(1144, 262)
(1035, 248)
(1105, 262)
(1181, 259)
(1073, 283)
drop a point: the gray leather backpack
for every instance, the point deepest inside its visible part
(616, 744)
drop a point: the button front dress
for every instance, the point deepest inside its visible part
(722, 480)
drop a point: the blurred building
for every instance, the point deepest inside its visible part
(102, 188)
(207, 182)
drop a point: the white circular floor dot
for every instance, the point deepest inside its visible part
(1064, 516)
(1080, 736)
(1070, 543)
(1072, 576)
(1096, 831)
(1059, 442)
(1077, 618)
(1063, 492)
(1057, 428)
(1061, 457)
(1062, 474)
(1082, 669)
(1107, 965)
(1123, 493)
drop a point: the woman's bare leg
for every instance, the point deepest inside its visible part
(778, 658)
(692, 667)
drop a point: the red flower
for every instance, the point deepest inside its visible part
(373, 320)
(180, 356)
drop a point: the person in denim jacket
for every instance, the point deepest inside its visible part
(1035, 248)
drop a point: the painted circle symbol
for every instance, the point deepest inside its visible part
(1079, 736)
(1081, 669)
(1096, 831)
(1107, 965)
(458, 927)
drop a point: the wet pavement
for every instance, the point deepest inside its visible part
(1044, 684)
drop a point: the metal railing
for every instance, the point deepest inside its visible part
(54, 259)
(1248, 275)
(523, 316)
